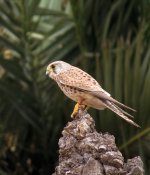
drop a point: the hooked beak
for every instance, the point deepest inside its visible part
(48, 71)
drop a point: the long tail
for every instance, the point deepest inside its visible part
(114, 106)
(110, 105)
(124, 112)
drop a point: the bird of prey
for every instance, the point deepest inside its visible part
(85, 90)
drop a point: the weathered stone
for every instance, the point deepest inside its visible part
(83, 151)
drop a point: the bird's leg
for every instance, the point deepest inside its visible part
(76, 108)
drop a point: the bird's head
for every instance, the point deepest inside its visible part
(54, 68)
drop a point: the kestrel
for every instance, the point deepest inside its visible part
(85, 90)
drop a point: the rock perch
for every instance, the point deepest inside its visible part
(84, 151)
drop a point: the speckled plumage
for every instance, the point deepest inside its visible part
(84, 89)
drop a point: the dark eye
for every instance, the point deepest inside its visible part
(53, 66)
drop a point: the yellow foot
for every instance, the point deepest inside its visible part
(75, 110)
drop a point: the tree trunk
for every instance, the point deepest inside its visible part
(84, 151)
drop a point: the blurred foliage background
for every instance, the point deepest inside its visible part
(108, 39)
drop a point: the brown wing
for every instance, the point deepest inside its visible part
(75, 77)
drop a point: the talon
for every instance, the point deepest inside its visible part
(75, 110)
